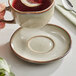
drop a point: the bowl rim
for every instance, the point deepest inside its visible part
(39, 62)
(34, 12)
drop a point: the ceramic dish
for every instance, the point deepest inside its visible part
(48, 44)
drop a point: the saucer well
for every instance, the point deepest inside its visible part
(48, 44)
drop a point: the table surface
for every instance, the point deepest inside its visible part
(62, 67)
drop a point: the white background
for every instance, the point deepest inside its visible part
(63, 67)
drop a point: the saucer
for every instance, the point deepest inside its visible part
(47, 44)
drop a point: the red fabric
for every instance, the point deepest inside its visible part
(2, 24)
(2, 13)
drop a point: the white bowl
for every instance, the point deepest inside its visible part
(48, 44)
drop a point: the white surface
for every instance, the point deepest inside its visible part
(63, 67)
(70, 15)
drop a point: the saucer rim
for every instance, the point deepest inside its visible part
(41, 62)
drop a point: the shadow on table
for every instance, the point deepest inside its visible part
(22, 68)
(65, 22)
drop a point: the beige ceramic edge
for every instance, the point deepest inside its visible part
(41, 62)
(36, 50)
(36, 19)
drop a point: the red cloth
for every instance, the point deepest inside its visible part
(2, 13)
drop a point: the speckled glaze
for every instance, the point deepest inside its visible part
(61, 38)
(32, 19)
